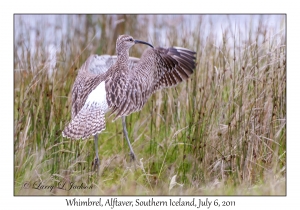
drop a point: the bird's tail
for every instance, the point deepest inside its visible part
(86, 123)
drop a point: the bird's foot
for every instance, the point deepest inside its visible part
(132, 156)
(96, 164)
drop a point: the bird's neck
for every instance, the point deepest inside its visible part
(123, 59)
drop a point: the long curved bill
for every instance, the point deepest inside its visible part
(142, 42)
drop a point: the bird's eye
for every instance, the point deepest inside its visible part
(131, 39)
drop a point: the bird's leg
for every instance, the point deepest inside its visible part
(96, 160)
(132, 155)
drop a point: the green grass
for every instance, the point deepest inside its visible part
(222, 132)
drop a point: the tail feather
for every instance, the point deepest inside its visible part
(86, 123)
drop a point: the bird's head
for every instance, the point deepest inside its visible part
(124, 42)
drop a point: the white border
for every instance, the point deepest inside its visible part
(153, 6)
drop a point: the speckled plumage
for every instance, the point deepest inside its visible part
(129, 82)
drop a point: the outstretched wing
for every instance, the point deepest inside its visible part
(102, 63)
(158, 68)
(172, 65)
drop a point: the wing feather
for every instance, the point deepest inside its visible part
(158, 68)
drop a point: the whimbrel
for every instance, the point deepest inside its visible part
(123, 85)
